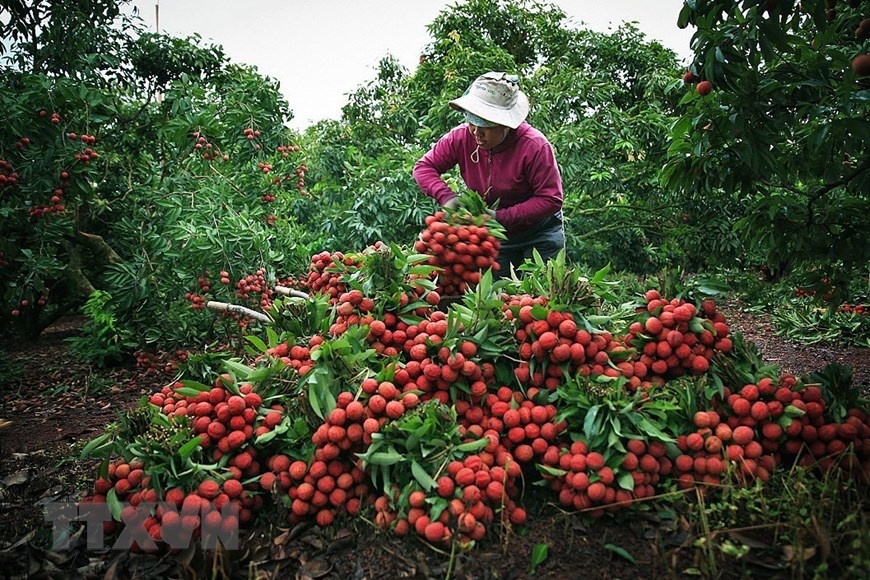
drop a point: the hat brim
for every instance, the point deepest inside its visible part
(509, 117)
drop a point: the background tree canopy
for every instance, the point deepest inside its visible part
(141, 165)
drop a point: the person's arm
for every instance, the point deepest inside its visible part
(435, 163)
(546, 184)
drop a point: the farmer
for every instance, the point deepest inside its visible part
(505, 160)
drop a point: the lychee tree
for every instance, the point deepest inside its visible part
(781, 140)
(130, 164)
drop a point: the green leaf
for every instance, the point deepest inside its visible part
(540, 552)
(652, 431)
(188, 448)
(314, 400)
(390, 457)
(620, 552)
(241, 371)
(114, 504)
(817, 138)
(547, 470)
(266, 437)
(187, 391)
(195, 386)
(625, 481)
(473, 445)
(94, 444)
(422, 477)
(588, 423)
(257, 342)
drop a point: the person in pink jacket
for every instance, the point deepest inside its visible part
(508, 162)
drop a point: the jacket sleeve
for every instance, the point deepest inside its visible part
(546, 184)
(435, 163)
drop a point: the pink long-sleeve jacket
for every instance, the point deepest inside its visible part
(521, 173)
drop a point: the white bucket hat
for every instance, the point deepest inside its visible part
(495, 97)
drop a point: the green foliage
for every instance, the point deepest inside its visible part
(568, 288)
(101, 342)
(380, 201)
(783, 137)
(812, 518)
(480, 316)
(67, 38)
(603, 414)
(199, 185)
(302, 318)
(160, 59)
(417, 447)
(195, 171)
(341, 362)
(804, 322)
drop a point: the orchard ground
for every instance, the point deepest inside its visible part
(59, 404)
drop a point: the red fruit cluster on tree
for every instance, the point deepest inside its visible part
(8, 176)
(859, 309)
(87, 139)
(256, 288)
(460, 245)
(286, 150)
(205, 148)
(300, 178)
(198, 300)
(56, 204)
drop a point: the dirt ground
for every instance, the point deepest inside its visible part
(56, 404)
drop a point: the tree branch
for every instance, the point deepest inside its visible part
(259, 316)
(98, 246)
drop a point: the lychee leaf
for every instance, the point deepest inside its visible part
(114, 504)
(422, 477)
(625, 481)
(188, 448)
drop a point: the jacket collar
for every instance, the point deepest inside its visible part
(511, 139)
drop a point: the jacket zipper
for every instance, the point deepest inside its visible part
(488, 176)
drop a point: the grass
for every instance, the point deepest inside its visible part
(803, 523)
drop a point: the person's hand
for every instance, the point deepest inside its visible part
(451, 203)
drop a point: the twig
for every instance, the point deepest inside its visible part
(284, 291)
(258, 316)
